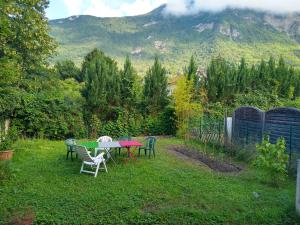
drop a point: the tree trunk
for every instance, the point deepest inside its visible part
(6, 125)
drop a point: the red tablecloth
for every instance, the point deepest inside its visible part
(127, 144)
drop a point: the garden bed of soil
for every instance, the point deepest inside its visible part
(197, 156)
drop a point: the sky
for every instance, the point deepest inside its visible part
(101, 8)
(116, 8)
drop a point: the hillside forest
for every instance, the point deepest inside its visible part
(98, 97)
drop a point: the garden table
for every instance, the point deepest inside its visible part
(114, 144)
(128, 145)
(100, 145)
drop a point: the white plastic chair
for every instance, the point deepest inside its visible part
(107, 150)
(104, 139)
(87, 159)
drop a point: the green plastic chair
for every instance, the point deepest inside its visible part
(70, 143)
(149, 147)
(123, 138)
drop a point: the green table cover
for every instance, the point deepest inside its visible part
(89, 144)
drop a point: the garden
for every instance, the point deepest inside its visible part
(46, 188)
(192, 179)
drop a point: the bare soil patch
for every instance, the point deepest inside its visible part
(196, 156)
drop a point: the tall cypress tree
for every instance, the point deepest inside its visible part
(191, 71)
(242, 74)
(210, 83)
(272, 67)
(128, 83)
(102, 79)
(155, 89)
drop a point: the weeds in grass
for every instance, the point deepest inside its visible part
(5, 170)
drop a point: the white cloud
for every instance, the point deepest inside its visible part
(139, 7)
(74, 7)
(103, 8)
(184, 7)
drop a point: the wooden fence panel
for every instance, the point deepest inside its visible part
(284, 122)
(247, 126)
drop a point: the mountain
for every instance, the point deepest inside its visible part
(231, 33)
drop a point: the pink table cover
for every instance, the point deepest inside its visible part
(130, 143)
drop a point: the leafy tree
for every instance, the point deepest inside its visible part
(26, 35)
(52, 108)
(67, 69)
(185, 108)
(155, 88)
(25, 46)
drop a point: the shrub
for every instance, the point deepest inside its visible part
(152, 125)
(168, 120)
(114, 129)
(127, 124)
(94, 124)
(272, 158)
(134, 124)
(7, 140)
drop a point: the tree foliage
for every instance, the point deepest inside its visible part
(25, 36)
(67, 69)
(155, 88)
(129, 86)
(25, 45)
(191, 70)
(225, 80)
(102, 79)
(185, 108)
(99, 98)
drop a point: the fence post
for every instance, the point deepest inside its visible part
(219, 130)
(298, 189)
(247, 133)
(290, 153)
(201, 127)
(263, 126)
(225, 132)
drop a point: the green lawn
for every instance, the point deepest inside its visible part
(165, 190)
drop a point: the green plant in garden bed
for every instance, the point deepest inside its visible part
(272, 159)
(164, 190)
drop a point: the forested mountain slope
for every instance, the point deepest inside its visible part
(232, 33)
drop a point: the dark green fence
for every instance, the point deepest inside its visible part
(248, 127)
(207, 130)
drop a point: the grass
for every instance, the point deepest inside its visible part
(165, 190)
